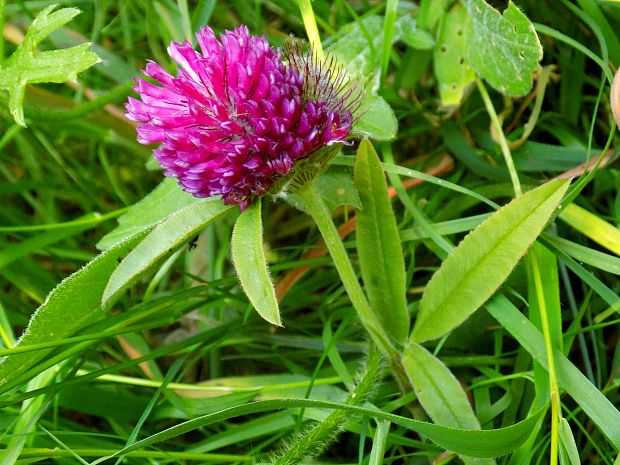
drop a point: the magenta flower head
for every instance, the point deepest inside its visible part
(237, 117)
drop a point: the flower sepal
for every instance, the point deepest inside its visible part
(305, 171)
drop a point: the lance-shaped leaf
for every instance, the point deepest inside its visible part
(379, 247)
(483, 260)
(29, 66)
(159, 204)
(73, 304)
(440, 393)
(503, 48)
(249, 258)
(162, 242)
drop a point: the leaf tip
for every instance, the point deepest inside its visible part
(18, 116)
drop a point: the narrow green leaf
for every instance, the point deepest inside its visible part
(73, 304)
(430, 12)
(582, 254)
(162, 242)
(568, 446)
(249, 259)
(26, 423)
(159, 204)
(378, 443)
(35, 243)
(547, 263)
(590, 399)
(486, 443)
(544, 302)
(378, 245)
(503, 48)
(391, 8)
(452, 70)
(445, 228)
(27, 65)
(440, 393)
(589, 224)
(483, 260)
(608, 295)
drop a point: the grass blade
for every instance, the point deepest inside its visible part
(486, 443)
(73, 304)
(589, 224)
(591, 400)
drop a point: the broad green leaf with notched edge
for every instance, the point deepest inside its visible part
(359, 46)
(503, 48)
(162, 202)
(29, 66)
(249, 259)
(483, 260)
(73, 304)
(162, 242)
(452, 69)
(378, 245)
(440, 393)
(358, 50)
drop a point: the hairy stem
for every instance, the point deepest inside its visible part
(314, 441)
(314, 206)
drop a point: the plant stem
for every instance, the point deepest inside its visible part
(503, 143)
(314, 441)
(516, 185)
(553, 380)
(307, 15)
(314, 206)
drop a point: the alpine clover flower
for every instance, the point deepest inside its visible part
(237, 117)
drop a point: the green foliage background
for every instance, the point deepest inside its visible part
(175, 343)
